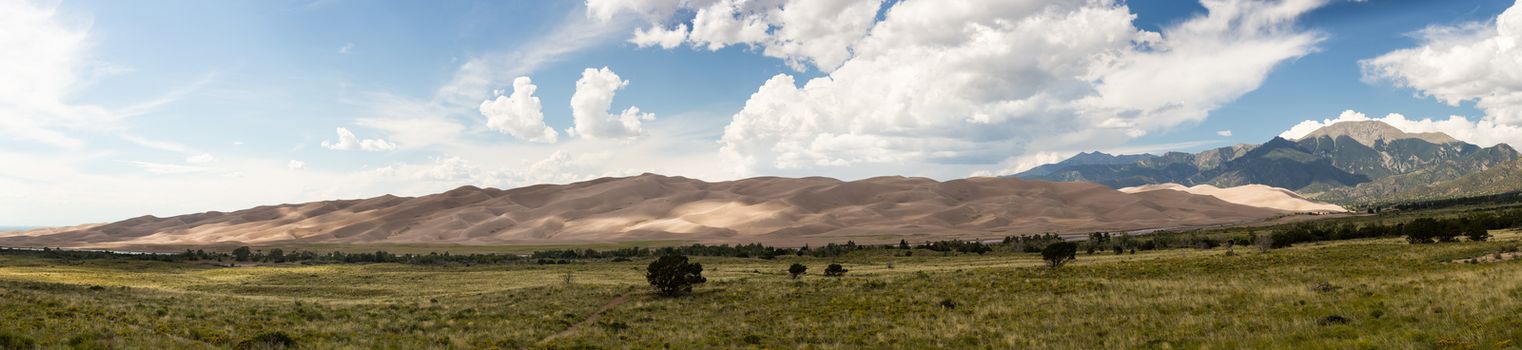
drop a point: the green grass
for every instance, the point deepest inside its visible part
(1391, 295)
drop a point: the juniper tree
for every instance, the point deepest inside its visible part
(797, 270)
(672, 275)
(1059, 253)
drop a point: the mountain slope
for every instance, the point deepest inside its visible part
(1087, 158)
(1503, 178)
(1278, 163)
(649, 207)
(1348, 163)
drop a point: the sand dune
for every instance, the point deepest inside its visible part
(767, 209)
(1250, 195)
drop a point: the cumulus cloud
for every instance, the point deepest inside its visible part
(800, 32)
(1484, 132)
(519, 114)
(1223, 133)
(657, 36)
(347, 141)
(980, 81)
(295, 165)
(1480, 62)
(590, 103)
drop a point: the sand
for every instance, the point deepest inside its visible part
(652, 207)
(1250, 195)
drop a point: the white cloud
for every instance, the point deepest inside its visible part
(44, 61)
(557, 168)
(407, 122)
(202, 158)
(590, 103)
(1223, 133)
(474, 80)
(1484, 132)
(295, 165)
(347, 141)
(658, 36)
(344, 50)
(1468, 62)
(940, 82)
(800, 32)
(519, 114)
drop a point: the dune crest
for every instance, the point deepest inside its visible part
(647, 207)
(1261, 196)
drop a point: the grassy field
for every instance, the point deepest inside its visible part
(1374, 294)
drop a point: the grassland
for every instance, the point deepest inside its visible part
(1374, 294)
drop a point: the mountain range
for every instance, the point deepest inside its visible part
(1358, 163)
(770, 210)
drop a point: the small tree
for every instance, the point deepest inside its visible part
(903, 244)
(242, 253)
(835, 270)
(797, 270)
(1263, 242)
(1421, 231)
(1059, 253)
(1476, 232)
(672, 275)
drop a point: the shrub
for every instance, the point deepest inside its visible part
(1333, 319)
(1421, 231)
(1264, 242)
(1059, 253)
(10, 341)
(835, 270)
(242, 253)
(797, 270)
(1476, 232)
(672, 275)
(268, 341)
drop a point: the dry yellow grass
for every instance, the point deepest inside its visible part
(1381, 294)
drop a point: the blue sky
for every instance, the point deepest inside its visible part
(116, 109)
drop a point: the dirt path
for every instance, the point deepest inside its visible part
(591, 318)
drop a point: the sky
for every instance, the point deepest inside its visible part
(113, 109)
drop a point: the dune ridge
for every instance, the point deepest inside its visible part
(653, 207)
(1262, 196)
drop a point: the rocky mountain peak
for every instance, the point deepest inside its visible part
(1370, 132)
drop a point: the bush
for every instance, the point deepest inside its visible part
(1476, 232)
(1422, 231)
(672, 275)
(1333, 319)
(1059, 253)
(10, 341)
(835, 270)
(268, 341)
(797, 270)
